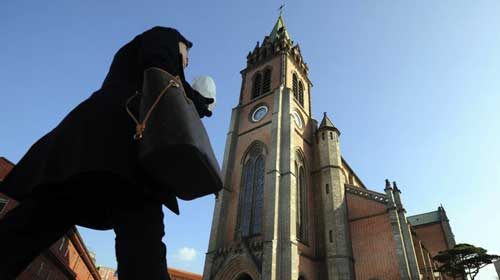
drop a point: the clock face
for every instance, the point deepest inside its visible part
(297, 119)
(259, 113)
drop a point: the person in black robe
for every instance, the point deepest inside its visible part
(86, 170)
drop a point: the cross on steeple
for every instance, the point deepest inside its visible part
(281, 8)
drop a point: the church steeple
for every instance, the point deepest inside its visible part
(279, 30)
(277, 42)
(265, 222)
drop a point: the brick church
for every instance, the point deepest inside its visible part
(294, 208)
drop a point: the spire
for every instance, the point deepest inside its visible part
(327, 124)
(279, 30)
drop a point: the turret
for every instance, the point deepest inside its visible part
(332, 177)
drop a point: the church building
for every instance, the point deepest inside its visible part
(293, 208)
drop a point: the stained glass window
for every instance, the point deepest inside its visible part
(252, 194)
(258, 195)
(246, 201)
(302, 230)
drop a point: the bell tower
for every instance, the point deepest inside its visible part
(268, 221)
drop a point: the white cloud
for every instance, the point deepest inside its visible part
(186, 254)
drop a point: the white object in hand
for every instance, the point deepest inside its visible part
(205, 85)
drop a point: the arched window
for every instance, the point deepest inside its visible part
(257, 85)
(301, 93)
(301, 182)
(258, 195)
(294, 85)
(246, 201)
(252, 193)
(266, 86)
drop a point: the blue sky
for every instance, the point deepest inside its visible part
(413, 86)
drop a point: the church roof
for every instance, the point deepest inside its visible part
(326, 122)
(425, 218)
(275, 33)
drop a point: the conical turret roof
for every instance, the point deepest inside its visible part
(326, 123)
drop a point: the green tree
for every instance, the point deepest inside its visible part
(463, 260)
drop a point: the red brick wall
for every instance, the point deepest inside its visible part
(432, 236)
(107, 273)
(433, 239)
(41, 268)
(275, 65)
(373, 245)
(5, 167)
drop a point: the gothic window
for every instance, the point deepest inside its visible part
(294, 85)
(257, 85)
(258, 195)
(246, 201)
(266, 87)
(301, 93)
(301, 183)
(252, 193)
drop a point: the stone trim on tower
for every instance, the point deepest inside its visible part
(392, 209)
(216, 231)
(368, 194)
(406, 232)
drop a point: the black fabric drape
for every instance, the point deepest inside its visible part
(95, 138)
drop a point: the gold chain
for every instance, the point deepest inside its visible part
(140, 126)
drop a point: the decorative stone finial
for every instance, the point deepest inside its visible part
(257, 45)
(387, 184)
(395, 187)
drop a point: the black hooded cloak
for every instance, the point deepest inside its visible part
(92, 151)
